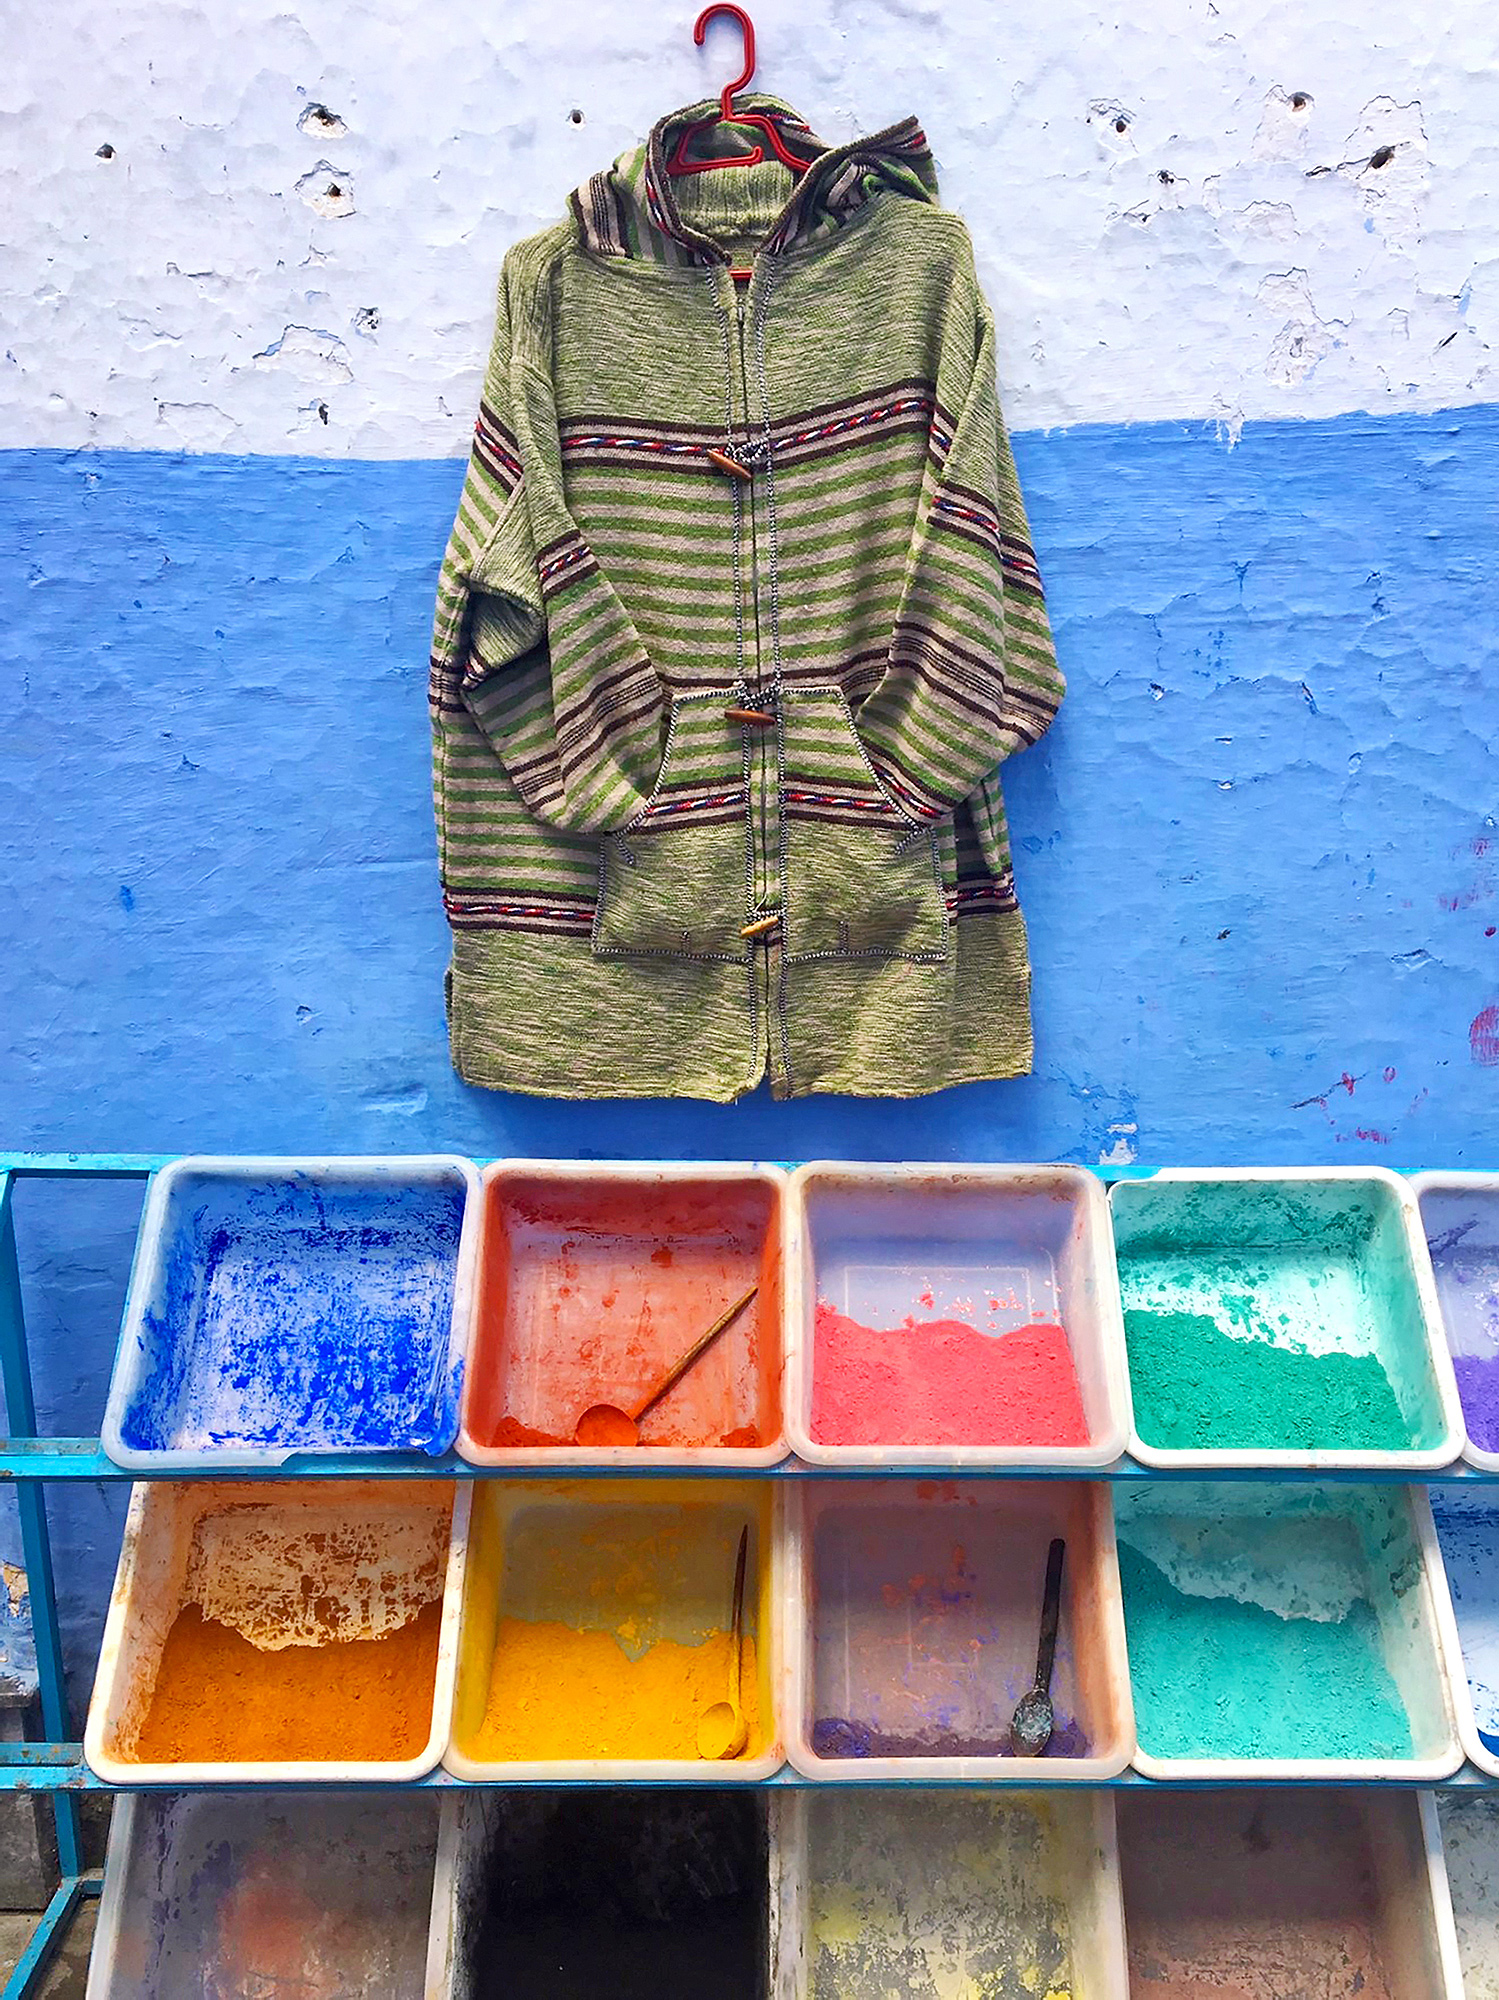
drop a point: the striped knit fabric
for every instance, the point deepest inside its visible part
(653, 896)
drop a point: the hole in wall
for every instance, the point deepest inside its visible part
(1121, 124)
(575, 117)
(319, 119)
(327, 190)
(1382, 157)
(104, 152)
(322, 410)
(1299, 100)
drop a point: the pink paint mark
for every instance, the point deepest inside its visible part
(1373, 1137)
(1463, 900)
(1483, 1038)
(1347, 1082)
(1390, 1074)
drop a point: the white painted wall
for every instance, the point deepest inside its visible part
(1229, 254)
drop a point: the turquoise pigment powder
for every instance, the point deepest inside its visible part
(1194, 1385)
(1222, 1677)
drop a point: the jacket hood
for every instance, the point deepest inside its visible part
(637, 209)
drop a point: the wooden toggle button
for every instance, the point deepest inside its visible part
(759, 929)
(760, 717)
(726, 464)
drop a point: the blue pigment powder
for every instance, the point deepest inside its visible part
(298, 1313)
(1219, 1677)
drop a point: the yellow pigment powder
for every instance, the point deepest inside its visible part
(555, 1692)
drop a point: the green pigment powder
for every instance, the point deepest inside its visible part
(1218, 1677)
(1196, 1385)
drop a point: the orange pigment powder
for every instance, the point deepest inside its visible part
(510, 1431)
(220, 1700)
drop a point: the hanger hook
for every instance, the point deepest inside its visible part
(747, 29)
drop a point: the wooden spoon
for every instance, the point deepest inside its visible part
(607, 1424)
(723, 1729)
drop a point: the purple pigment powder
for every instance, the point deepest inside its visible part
(1478, 1387)
(836, 1736)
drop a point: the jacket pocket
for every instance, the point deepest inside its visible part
(862, 879)
(676, 882)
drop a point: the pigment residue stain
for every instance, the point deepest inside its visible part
(950, 1895)
(1221, 1676)
(924, 1623)
(1470, 1847)
(220, 1699)
(1258, 1896)
(1461, 1230)
(1195, 1384)
(556, 1693)
(295, 1314)
(942, 1382)
(1469, 1538)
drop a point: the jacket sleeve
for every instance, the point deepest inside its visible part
(971, 673)
(530, 639)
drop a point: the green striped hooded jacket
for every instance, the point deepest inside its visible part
(716, 756)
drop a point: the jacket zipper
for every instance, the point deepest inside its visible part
(763, 746)
(764, 757)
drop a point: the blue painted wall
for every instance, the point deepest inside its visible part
(1259, 852)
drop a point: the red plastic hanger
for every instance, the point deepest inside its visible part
(679, 162)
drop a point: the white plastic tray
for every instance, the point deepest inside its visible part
(1408, 1596)
(275, 1893)
(519, 1837)
(1469, 1598)
(968, 1642)
(922, 1875)
(1460, 1233)
(605, 1253)
(241, 1268)
(1215, 1853)
(511, 1572)
(1412, 1352)
(882, 1243)
(1470, 1851)
(148, 1593)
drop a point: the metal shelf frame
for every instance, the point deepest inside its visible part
(55, 1766)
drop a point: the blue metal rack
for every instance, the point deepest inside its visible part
(56, 1766)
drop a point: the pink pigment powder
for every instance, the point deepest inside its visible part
(941, 1381)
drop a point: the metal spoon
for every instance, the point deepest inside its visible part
(723, 1729)
(606, 1423)
(1034, 1719)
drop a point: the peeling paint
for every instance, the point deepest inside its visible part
(17, 1590)
(1133, 186)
